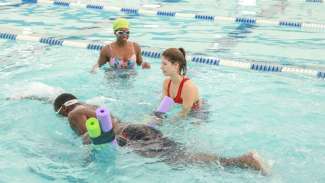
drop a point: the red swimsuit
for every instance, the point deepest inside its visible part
(178, 99)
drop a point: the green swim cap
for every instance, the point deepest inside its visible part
(120, 23)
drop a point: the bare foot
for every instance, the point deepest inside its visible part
(253, 160)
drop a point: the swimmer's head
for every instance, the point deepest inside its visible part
(63, 102)
(175, 56)
(120, 23)
(138, 132)
(121, 28)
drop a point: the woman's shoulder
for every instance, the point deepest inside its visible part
(107, 48)
(79, 109)
(136, 46)
(189, 84)
(108, 45)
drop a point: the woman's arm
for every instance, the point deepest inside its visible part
(155, 119)
(78, 117)
(164, 88)
(145, 65)
(103, 58)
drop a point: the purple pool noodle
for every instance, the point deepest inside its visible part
(104, 117)
(165, 104)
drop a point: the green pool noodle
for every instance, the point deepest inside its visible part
(93, 128)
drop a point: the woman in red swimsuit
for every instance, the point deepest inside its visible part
(177, 85)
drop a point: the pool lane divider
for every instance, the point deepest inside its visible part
(213, 61)
(314, 1)
(138, 12)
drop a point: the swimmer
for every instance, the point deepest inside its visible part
(148, 141)
(121, 54)
(177, 85)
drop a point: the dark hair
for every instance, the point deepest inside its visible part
(61, 99)
(141, 132)
(176, 55)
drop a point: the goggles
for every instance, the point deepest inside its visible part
(67, 104)
(122, 33)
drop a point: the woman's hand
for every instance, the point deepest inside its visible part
(94, 69)
(145, 65)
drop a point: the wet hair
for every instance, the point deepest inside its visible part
(141, 132)
(177, 55)
(61, 99)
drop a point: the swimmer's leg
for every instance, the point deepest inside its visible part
(250, 160)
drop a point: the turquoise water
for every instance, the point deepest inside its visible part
(279, 115)
(222, 39)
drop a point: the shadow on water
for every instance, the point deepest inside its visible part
(233, 37)
(122, 79)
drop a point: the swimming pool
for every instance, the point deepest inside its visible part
(280, 115)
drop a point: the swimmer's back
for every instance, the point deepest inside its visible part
(149, 142)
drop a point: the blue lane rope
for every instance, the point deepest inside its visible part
(29, 1)
(91, 46)
(152, 54)
(245, 20)
(204, 17)
(314, 1)
(203, 60)
(321, 74)
(155, 54)
(61, 3)
(166, 13)
(4, 35)
(51, 41)
(290, 24)
(266, 67)
(91, 6)
(131, 11)
(241, 20)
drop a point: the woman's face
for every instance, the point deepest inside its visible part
(168, 68)
(122, 34)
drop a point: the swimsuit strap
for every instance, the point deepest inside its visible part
(179, 92)
(177, 98)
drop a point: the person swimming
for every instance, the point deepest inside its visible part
(146, 140)
(177, 85)
(121, 54)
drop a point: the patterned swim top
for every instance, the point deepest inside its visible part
(118, 63)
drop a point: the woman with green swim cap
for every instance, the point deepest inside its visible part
(121, 54)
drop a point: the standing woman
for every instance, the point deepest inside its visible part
(177, 85)
(121, 54)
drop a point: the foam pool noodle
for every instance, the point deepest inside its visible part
(165, 104)
(93, 128)
(105, 120)
(164, 107)
(104, 117)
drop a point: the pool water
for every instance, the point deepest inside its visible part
(279, 115)
(222, 39)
